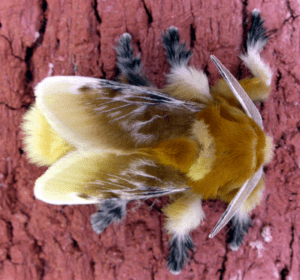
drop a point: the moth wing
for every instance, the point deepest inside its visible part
(42, 145)
(99, 114)
(87, 178)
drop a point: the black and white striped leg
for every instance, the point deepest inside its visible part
(257, 37)
(183, 215)
(130, 66)
(179, 247)
(256, 40)
(177, 55)
(240, 224)
(109, 210)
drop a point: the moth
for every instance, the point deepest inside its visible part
(111, 142)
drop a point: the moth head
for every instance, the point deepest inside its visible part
(254, 114)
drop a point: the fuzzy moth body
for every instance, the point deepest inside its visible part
(108, 143)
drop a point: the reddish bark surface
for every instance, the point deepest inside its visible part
(57, 37)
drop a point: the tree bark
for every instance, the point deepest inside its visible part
(57, 37)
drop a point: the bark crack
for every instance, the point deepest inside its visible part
(11, 48)
(222, 270)
(38, 250)
(149, 15)
(291, 11)
(95, 7)
(284, 273)
(292, 242)
(30, 50)
(12, 108)
(278, 78)
(245, 24)
(193, 35)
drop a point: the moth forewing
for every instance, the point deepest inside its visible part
(63, 103)
(95, 114)
(67, 180)
(87, 177)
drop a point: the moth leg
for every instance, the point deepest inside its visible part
(258, 87)
(184, 82)
(183, 215)
(130, 66)
(177, 55)
(240, 224)
(241, 221)
(179, 248)
(110, 210)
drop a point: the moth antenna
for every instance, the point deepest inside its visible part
(239, 92)
(252, 112)
(237, 201)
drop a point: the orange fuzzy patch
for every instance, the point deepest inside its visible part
(180, 153)
(239, 149)
(252, 200)
(255, 87)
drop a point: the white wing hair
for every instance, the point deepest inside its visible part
(105, 115)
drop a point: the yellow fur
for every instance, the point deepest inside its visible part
(252, 200)
(256, 65)
(184, 214)
(42, 145)
(232, 167)
(203, 164)
(268, 149)
(180, 153)
(187, 83)
(255, 197)
(255, 87)
(65, 180)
